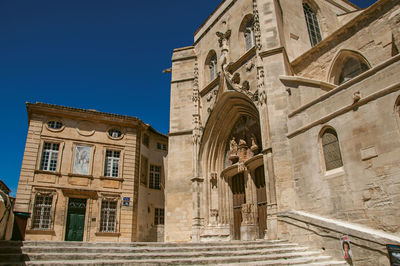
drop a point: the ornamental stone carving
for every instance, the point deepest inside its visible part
(248, 213)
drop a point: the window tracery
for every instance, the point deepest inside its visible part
(331, 149)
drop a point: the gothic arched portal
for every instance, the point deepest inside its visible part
(230, 160)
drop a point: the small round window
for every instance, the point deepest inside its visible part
(54, 125)
(114, 133)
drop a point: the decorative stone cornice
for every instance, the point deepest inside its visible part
(306, 81)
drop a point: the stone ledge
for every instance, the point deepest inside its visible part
(80, 175)
(120, 179)
(41, 232)
(114, 234)
(47, 172)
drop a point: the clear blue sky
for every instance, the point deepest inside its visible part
(94, 54)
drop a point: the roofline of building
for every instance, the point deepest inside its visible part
(38, 106)
(208, 18)
(352, 4)
(233, 1)
(4, 184)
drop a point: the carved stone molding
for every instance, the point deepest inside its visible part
(257, 30)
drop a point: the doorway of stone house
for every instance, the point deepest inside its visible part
(75, 219)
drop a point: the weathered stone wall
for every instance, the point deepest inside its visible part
(295, 27)
(178, 193)
(149, 198)
(367, 34)
(364, 191)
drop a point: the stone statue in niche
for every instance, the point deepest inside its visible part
(243, 150)
(233, 148)
(213, 216)
(248, 213)
(254, 146)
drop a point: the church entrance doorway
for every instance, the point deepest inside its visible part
(75, 219)
(239, 198)
(261, 201)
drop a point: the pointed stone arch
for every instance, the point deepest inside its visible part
(230, 107)
(219, 188)
(339, 62)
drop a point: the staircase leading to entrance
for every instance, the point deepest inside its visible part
(263, 252)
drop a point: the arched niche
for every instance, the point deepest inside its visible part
(246, 33)
(210, 67)
(346, 65)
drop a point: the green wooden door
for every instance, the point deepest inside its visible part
(75, 227)
(75, 220)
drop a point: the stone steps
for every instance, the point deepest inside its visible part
(71, 249)
(217, 253)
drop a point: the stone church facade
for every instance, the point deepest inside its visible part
(90, 176)
(284, 124)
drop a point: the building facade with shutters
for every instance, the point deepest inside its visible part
(284, 124)
(83, 174)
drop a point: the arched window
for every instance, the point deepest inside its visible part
(211, 70)
(331, 149)
(352, 67)
(312, 24)
(249, 35)
(213, 67)
(346, 65)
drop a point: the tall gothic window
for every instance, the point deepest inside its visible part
(249, 35)
(352, 67)
(331, 149)
(213, 67)
(312, 24)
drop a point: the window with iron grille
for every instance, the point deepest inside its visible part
(111, 168)
(312, 24)
(42, 212)
(249, 35)
(158, 216)
(155, 175)
(108, 219)
(331, 149)
(49, 156)
(161, 146)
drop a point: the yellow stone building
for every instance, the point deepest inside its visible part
(90, 176)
